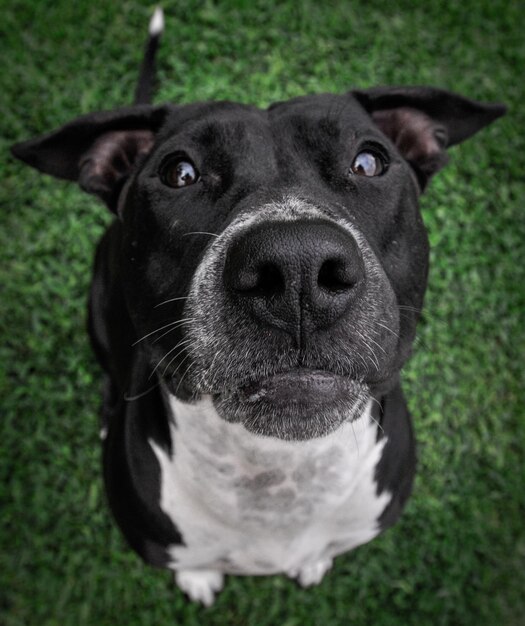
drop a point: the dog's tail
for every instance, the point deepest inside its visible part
(144, 91)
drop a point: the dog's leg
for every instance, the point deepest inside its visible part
(312, 573)
(200, 584)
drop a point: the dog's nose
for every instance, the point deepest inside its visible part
(299, 276)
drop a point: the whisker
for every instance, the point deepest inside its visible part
(171, 300)
(170, 330)
(184, 375)
(140, 395)
(178, 366)
(368, 347)
(362, 359)
(178, 345)
(378, 345)
(159, 329)
(387, 328)
(209, 369)
(409, 308)
(378, 424)
(373, 418)
(200, 232)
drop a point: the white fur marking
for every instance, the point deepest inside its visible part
(156, 24)
(247, 504)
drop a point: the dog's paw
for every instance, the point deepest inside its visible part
(311, 574)
(200, 585)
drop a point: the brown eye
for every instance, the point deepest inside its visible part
(367, 164)
(179, 173)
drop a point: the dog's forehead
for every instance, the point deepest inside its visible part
(197, 119)
(336, 108)
(325, 113)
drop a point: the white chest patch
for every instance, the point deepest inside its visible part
(247, 504)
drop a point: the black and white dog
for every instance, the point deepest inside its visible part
(252, 306)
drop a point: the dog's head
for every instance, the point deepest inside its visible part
(274, 259)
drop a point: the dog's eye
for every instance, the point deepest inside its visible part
(179, 173)
(367, 164)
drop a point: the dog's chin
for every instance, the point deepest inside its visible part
(296, 405)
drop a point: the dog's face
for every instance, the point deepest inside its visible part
(274, 259)
(291, 304)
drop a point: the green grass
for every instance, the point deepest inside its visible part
(458, 555)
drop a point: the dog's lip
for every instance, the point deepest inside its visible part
(298, 386)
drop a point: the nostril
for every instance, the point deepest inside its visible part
(265, 281)
(335, 276)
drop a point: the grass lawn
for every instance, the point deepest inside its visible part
(458, 555)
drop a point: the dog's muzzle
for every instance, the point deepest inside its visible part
(290, 313)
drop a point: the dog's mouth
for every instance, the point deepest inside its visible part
(296, 404)
(299, 386)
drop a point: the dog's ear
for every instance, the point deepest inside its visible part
(97, 150)
(422, 122)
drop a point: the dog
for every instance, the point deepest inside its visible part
(252, 306)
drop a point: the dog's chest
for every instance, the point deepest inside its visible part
(255, 505)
